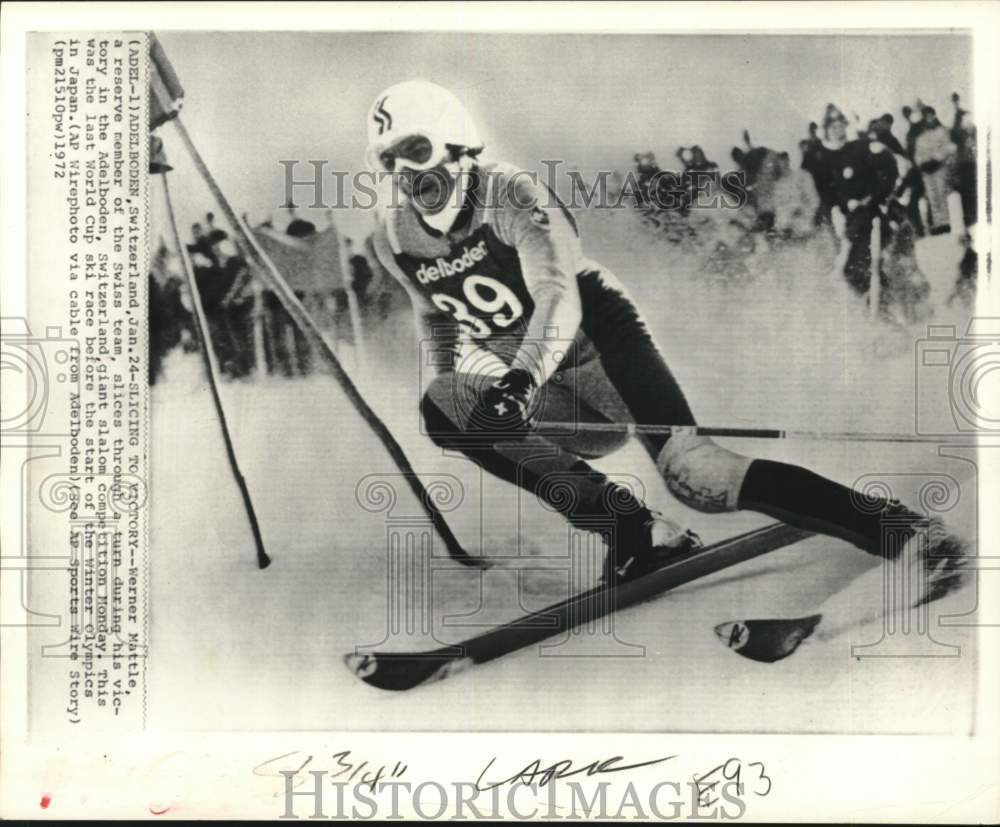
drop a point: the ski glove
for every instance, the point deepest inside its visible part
(505, 405)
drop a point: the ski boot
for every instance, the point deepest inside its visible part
(644, 542)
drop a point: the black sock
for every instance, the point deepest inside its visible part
(807, 500)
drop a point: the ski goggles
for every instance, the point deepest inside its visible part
(416, 152)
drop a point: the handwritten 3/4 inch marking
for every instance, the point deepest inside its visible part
(345, 769)
(731, 770)
(535, 773)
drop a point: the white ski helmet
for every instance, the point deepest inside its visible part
(419, 109)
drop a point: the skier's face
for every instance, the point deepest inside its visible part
(430, 190)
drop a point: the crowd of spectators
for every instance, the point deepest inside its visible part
(250, 328)
(850, 176)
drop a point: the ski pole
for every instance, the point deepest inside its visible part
(634, 429)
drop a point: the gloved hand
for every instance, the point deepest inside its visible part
(506, 404)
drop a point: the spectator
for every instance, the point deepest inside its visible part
(221, 277)
(810, 147)
(694, 160)
(796, 201)
(820, 160)
(699, 161)
(834, 127)
(762, 167)
(286, 348)
(212, 233)
(933, 153)
(916, 126)
(384, 295)
(963, 178)
(279, 336)
(170, 321)
(882, 127)
(645, 166)
(751, 160)
(361, 276)
(299, 227)
(157, 157)
(659, 190)
(700, 176)
(199, 241)
(864, 177)
(965, 285)
(913, 182)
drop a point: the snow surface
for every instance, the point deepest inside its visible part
(790, 349)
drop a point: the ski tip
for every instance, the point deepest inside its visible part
(766, 641)
(398, 672)
(361, 666)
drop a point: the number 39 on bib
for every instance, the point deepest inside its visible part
(487, 296)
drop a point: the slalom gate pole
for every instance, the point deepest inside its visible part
(211, 371)
(633, 429)
(269, 273)
(875, 290)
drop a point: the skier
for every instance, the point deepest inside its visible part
(497, 257)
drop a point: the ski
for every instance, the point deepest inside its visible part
(398, 671)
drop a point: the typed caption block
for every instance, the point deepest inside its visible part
(81, 439)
